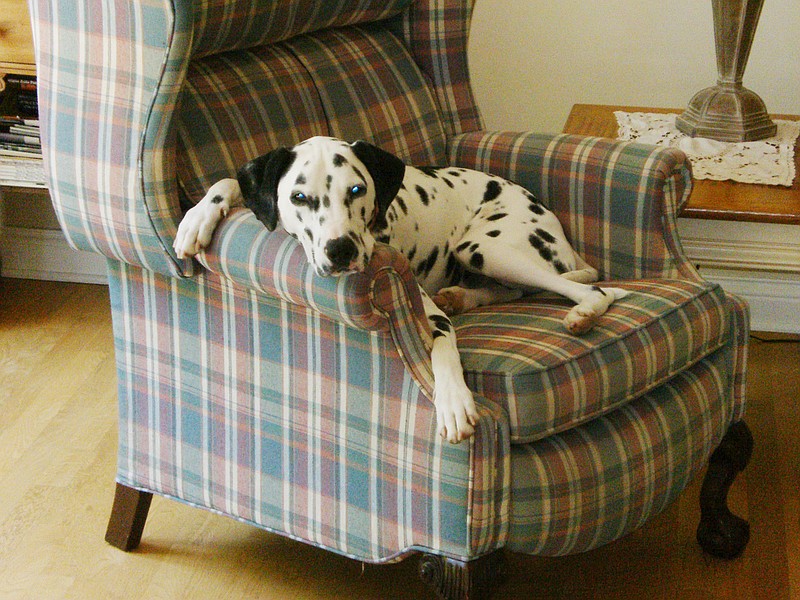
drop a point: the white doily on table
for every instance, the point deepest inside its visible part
(769, 161)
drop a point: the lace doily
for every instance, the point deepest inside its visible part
(769, 161)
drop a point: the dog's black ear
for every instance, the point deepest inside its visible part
(387, 172)
(258, 181)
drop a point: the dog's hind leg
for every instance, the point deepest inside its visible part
(514, 268)
(583, 273)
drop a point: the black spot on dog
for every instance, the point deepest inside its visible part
(217, 199)
(453, 271)
(326, 201)
(383, 238)
(560, 267)
(462, 246)
(328, 181)
(423, 195)
(493, 233)
(448, 182)
(430, 171)
(541, 246)
(535, 206)
(497, 216)
(301, 179)
(597, 289)
(454, 172)
(441, 322)
(339, 160)
(492, 191)
(309, 234)
(441, 325)
(546, 236)
(425, 267)
(401, 204)
(476, 261)
(411, 254)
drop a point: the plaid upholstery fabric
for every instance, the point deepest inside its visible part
(443, 58)
(237, 106)
(520, 355)
(371, 88)
(593, 484)
(276, 265)
(240, 105)
(256, 408)
(108, 83)
(221, 25)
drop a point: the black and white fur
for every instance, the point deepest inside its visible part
(471, 239)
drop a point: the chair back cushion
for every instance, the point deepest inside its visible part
(353, 83)
(221, 25)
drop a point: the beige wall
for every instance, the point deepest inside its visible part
(531, 60)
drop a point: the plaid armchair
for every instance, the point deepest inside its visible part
(253, 388)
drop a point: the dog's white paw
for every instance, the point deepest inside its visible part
(582, 317)
(456, 413)
(200, 221)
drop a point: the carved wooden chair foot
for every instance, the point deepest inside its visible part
(128, 516)
(463, 580)
(721, 533)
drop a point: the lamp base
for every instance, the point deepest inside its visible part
(728, 113)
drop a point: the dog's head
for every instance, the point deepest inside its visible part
(328, 194)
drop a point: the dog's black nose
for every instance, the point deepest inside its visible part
(341, 252)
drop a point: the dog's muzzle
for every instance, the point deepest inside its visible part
(342, 254)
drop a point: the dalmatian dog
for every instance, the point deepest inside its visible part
(471, 239)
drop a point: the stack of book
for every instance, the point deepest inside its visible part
(20, 144)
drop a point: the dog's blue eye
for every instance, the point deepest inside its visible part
(358, 190)
(299, 198)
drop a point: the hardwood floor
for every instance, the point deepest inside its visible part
(57, 462)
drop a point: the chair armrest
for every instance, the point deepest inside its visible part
(617, 201)
(385, 298)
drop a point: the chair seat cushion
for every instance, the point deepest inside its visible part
(519, 354)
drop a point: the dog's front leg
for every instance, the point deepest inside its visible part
(200, 221)
(456, 414)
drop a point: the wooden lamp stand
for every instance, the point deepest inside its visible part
(728, 111)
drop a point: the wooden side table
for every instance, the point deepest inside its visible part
(743, 236)
(723, 200)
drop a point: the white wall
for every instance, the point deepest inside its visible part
(531, 60)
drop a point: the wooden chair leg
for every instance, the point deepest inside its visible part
(462, 580)
(721, 533)
(128, 516)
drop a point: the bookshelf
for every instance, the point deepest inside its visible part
(20, 149)
(16, 38)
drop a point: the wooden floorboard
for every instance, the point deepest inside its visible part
(57, 462)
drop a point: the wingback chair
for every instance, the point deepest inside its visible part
(251, 387)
